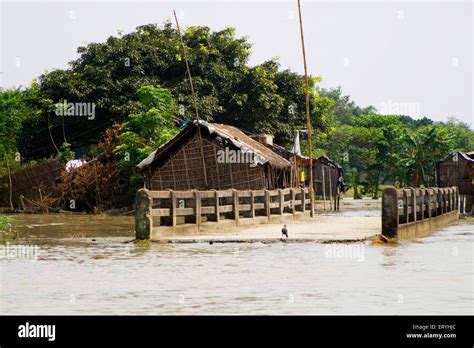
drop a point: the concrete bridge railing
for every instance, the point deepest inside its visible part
(158, 211)
(411, 212)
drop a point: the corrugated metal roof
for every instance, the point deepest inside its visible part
(469, 156)
(246, 143)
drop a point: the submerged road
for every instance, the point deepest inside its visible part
(335, 227)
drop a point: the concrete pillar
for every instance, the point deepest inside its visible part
(280, 201)
(428, 195)
(422, 203)
(469, 207)
(303, 198)
(143, 214)
(293, 197)
(197, 208)
(235, 195)
(439, 200)
(389, 212)
(173, 207)
(252, 204)
(413, 203)
(406, 212)
(267, 204)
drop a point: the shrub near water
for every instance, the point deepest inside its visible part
(5, 227)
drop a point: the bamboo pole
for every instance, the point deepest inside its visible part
(188, 71)
(330, 187)
(295, 167)
(324, 188)
(10, 187)
(308, 116)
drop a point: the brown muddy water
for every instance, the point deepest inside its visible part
(83, 265)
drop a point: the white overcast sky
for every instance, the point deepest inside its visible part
(417, 56)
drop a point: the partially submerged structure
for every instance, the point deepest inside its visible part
(457, 169)
(328, 180)
(207, 156)
(327, 173)
(211, 173)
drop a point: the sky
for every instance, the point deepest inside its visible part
(414, 58)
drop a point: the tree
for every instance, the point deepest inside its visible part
(143, 132)
(16, 109)
(256, 99)
(424, 148)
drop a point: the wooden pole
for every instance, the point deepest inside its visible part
(308, 116)
(330, 187)
(10, 187)
(295, 176)
(217, 167)
(324, 188)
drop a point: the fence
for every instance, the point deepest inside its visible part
(412, 210)
(172, 208)
(29, 182)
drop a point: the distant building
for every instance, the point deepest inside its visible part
(327, 174)
(457, 169)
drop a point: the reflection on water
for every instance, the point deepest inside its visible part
(87, 267)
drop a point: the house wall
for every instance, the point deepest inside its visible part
(458, 173)
(331, 176)
(184, 170)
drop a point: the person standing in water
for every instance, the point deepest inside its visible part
(284, 231)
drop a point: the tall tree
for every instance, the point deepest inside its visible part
(257, 99)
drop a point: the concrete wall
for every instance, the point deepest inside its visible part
(160, 214)
(425, 227)
(413, 212)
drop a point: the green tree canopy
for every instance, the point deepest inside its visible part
(256, 99)
(144, 131)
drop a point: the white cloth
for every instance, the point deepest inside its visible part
(74, 164)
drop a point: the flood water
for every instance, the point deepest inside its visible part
(70, 273)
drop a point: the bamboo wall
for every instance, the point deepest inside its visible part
(325, 184)
(28, 182)
(184, 170)
(458, 173)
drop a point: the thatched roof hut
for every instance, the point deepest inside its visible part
(214, 156)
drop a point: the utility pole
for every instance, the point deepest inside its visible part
(308, 115)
